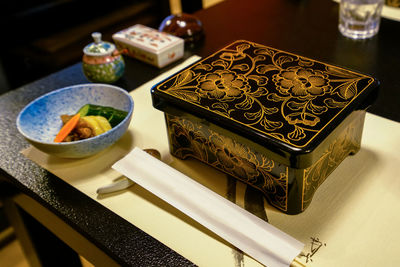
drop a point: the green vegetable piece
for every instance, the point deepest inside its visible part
(91, 110)
(117, 117)
(114, 116)
(83, 111)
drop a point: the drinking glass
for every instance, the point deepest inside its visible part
(360, 19)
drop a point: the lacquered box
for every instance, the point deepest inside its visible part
(277, 121)
(149, 45)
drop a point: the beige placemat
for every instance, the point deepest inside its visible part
(352, 221)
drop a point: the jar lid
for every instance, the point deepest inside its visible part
(98, 47)
(185, 26)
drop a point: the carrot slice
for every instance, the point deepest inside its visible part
(67, 128)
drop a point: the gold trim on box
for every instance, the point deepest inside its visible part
(193, 139)
(283, 95)
(189, 139)
(348, 142)
(393, 3)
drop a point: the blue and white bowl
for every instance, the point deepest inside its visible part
(39, 122)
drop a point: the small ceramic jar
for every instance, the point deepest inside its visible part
(102, 62)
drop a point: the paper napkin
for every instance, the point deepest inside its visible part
(257, 238)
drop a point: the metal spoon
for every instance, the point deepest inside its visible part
(124, 182)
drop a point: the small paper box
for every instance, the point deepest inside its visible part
(277, 121)
(149, 45)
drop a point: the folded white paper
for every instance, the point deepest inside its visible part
(247, 232)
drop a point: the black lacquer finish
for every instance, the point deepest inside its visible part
(279, 100)
(289, 110)
(309, 28)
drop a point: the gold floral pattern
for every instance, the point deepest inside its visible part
(393, 3)
(348, 142)
(301, 82)
(223, 85)
(283, 104)
(234, 157)
(270, 92)
(190, 139)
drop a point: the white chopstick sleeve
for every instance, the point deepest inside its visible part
(247, 232)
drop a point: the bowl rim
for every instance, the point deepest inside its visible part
(128, 117)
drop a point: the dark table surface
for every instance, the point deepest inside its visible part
(304, 27)
(310, 28)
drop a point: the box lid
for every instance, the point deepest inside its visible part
(282, 101)
(147, 38)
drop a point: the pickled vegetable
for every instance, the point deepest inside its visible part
(114, 116)
(98, 124)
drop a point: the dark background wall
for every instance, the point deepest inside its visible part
(43, 36)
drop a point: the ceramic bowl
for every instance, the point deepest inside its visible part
(39, 122)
